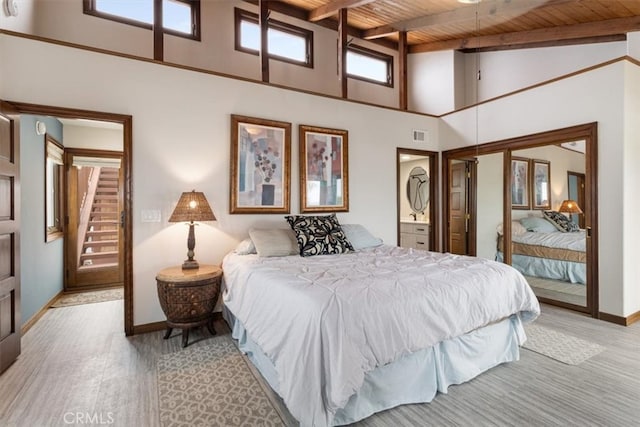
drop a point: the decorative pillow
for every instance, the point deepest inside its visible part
(319, 235)
(561, 222)
(246, 247)
(274, 242)
(359, 237)
(538, 224)
(516, 228)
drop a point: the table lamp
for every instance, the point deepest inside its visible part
(192, 206)
(570, 207)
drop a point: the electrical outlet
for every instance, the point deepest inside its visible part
(151, 215)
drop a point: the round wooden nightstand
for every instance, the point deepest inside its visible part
(188, 297)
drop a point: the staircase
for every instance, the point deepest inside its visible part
(100, 245)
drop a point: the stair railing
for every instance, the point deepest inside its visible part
(85, 210)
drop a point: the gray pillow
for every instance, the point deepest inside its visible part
(538, 224)
(274, 242)
(359, 237)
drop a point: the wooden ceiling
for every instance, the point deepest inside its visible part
(489, 25)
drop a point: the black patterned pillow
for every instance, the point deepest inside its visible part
(561, 222)
(319, 235)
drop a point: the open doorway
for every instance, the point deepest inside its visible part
(98, 120)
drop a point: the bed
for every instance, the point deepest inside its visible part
(340, 337)
(549, 254)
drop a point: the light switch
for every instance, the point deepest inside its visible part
(151, 215)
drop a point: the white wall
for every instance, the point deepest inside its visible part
(93, 138)
(631, 201)
(633, 45)
(489, 204)
(176, 150)
(596, 96)
(64, 20)
(509, 70)
(430, 82)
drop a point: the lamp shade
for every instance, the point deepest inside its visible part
(570, 206)
(192, 206)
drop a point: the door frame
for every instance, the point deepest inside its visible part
(587, 132)
(434, 235)
(127, 148)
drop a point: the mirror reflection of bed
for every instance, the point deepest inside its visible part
(548, 245)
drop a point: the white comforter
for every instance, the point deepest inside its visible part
(325, 321)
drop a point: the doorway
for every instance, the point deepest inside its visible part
(125, 121)
(417, 199)
(94, 231)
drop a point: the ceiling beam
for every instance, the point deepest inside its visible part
(303, 15)
(334, 7)
(609, 27)
(488, 9)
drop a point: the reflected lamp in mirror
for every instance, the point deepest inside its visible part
(570, 207)
(192, 206)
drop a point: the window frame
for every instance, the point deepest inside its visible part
(388, 59)
(89, 8)
(244, 15)
(56, 230)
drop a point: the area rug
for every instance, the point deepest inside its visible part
(89, 297)
(211, 386)
(559, 346)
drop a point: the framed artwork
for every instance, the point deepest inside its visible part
(260, 166)
(520, 183)
(540, 184)
(324, 171)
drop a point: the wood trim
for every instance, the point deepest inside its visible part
(127, 151)
(158, 31)
(263, 22)
(402, 70)
(145, 328)
(32, 321)
(568, 306)
(551, 43)
(342, 53)
(620, 320)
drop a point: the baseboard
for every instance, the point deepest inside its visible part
(620, 320)
(29, 323)
(145, 328)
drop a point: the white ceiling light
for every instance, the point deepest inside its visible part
(469, 1)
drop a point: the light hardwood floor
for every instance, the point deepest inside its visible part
(76, 362)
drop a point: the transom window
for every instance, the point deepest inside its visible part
(369, 65)
(286, 42)
(179, 17)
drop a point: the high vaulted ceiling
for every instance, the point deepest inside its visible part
(491, 24)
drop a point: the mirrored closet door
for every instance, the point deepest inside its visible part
(532, 204)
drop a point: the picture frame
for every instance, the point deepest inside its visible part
(541, 184)
(324, 169)
(260, 166)
(520, 186)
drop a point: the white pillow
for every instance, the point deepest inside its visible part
(246, 247)
(516, 228)
(274, 242)
(359, 237)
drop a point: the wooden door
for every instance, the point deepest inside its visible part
(94, 244)
(577, 193)
(458, 209)
(9, 235)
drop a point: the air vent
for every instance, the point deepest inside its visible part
(419, 136)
